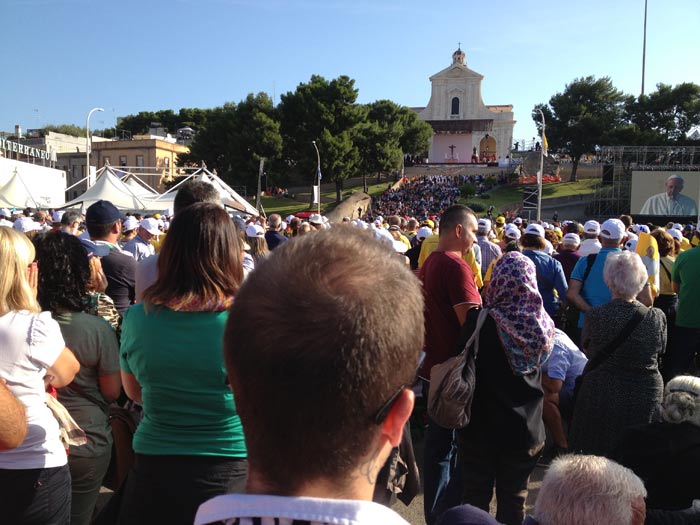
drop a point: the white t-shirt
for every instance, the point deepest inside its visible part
(29, 345)
(588, 247)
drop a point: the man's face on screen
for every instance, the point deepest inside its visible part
(673, 187)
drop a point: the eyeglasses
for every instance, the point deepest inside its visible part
(383, 411)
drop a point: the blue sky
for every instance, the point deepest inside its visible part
(63, 57)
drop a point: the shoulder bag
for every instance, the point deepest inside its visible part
(453, 382)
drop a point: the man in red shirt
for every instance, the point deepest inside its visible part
(450, 292)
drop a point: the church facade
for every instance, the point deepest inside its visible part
(465, 129)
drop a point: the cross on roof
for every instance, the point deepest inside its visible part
(459, 45)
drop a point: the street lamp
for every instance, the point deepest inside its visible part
(540, 175)
(318, 174)
(87, 145)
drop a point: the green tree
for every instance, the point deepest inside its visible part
(582, 117)
(668, 113)
(236, 137)
(322, 111)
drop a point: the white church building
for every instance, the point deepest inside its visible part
(466, 130)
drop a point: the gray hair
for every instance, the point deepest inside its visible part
(681, 402)
(624, 273)
(579, 490)
(274, 221)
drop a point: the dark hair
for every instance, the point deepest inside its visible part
(626, 220)
(453, 216)
(99, 231)
(64, 272)
(512, 246)
(200, 259)
(665, 242)
(194, 191)
(572, 227)
(308, 390)
(534, 242)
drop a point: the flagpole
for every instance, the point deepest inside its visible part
(318, 174)
(540, 174)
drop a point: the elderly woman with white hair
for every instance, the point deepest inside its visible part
(582, 490)
(666, 454)
(621, 385)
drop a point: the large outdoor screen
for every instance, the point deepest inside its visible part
(665, 193)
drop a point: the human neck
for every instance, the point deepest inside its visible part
(359, 487)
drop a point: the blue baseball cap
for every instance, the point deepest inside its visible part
(103, 212)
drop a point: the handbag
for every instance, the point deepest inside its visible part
(70, 431)
(600, 357)
(123, 425)
(453, 382)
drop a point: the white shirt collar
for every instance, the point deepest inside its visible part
(315, 510)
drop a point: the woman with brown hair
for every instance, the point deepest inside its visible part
(189, 446)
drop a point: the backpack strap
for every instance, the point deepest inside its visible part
(590, 258)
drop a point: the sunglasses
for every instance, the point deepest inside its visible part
(383, 411)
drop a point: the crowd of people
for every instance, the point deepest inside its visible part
(427, 195)
(272, 364)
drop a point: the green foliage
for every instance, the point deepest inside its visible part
(467, 190)
(581, 117)
(476, 207)
(592, 113)
(325, 112)
(66, 129)
(236, 137)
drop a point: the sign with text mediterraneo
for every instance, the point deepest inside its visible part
(15, 147)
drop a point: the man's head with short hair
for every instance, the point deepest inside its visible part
(580, 490)
(274, 221)
(314, 393)
(195, 191)
(393, 220)
(458, 227)
(70, 221)
(411, 225)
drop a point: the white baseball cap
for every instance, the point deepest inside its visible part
(675, 234)
(423, 232)
(151, 225)
(512, 232)
(484, 224)
(255, 230)
(130, 223)
(571, 238)
(612, 229)
(534, 229)
(592, 227)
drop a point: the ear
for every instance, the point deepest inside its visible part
(392, 427)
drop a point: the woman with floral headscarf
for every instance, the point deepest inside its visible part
(503, 441)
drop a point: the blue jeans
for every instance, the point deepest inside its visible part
(442, 483)
(35, 496)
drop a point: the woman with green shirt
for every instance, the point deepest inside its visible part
(189, 446)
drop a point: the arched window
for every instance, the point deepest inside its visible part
(455, 106)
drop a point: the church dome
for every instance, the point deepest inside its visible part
(458, 57)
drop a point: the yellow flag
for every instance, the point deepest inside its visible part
(545, 144)
(648, 250)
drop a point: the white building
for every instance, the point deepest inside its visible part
(466, 130)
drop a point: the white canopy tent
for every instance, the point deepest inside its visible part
(229, 197)
(110, 188)
(16, 194)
